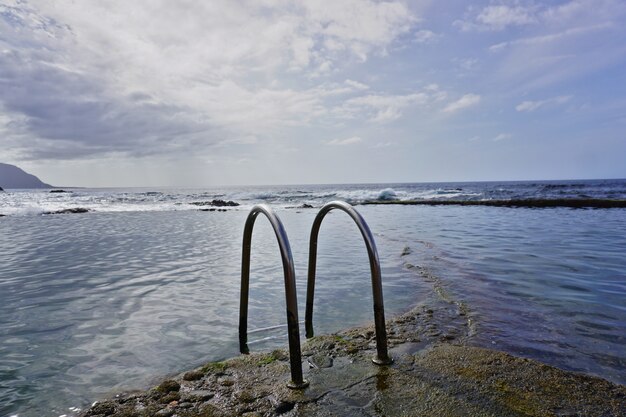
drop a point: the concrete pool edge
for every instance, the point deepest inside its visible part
(434, 373)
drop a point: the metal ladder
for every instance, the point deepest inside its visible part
(295, 357)
(382, 357)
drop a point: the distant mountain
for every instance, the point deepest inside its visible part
(14, 177)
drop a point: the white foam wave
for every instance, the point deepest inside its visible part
(123, 200)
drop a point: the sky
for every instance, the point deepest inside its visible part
(190, 93)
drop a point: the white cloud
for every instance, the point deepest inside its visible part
(343, 142)
(158, 70)
(529, 106)
(466, 64)
(552, 37)
(380, 108)
(356, 85)
(425, 36)
(498, 17)
(468, 100)
(502, 136)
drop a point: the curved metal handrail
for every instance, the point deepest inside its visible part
(295, 357)
(382, 357)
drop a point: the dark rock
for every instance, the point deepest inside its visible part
(1, 189)
(215, 203)
(103, 408)
(222, 203)
(193, 375)
(169, 385)
(245, 396)
(320, 361)
(197, 396)
(59, 191)
(170, 397)
(68, 211)
(2, 215)
(305, 205)
(212, 209)
(526, 203)
(227, 382)
(166, 412)
(284, 406)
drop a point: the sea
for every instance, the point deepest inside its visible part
(145, 282)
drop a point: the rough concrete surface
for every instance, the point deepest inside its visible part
(434, 374)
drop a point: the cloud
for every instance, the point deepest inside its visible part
(425, 36)
(90, 78)
(467, 64)
(552, 37)
(343, 142)
(381, 108)
(356, 85)
(530, 106)
(502, 136)
(498, 17)
(468, 100)
(569, 41)
(59, 113)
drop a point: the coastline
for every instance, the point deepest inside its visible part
(435, 372)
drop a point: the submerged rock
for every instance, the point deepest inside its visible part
(215, 203)
(68, 211)
(58, 191)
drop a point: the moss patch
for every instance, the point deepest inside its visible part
(214, 368)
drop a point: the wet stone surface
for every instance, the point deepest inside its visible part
(433, 374)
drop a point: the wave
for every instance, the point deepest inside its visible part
(535, 194)
(387, 194)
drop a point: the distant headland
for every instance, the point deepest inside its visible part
(14, 177)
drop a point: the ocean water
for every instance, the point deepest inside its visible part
(146, 285)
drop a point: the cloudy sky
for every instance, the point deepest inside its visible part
(191, 93)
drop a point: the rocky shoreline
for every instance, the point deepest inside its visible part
(435, 373)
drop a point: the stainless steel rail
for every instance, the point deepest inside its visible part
(382, 357)
(295, 357)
